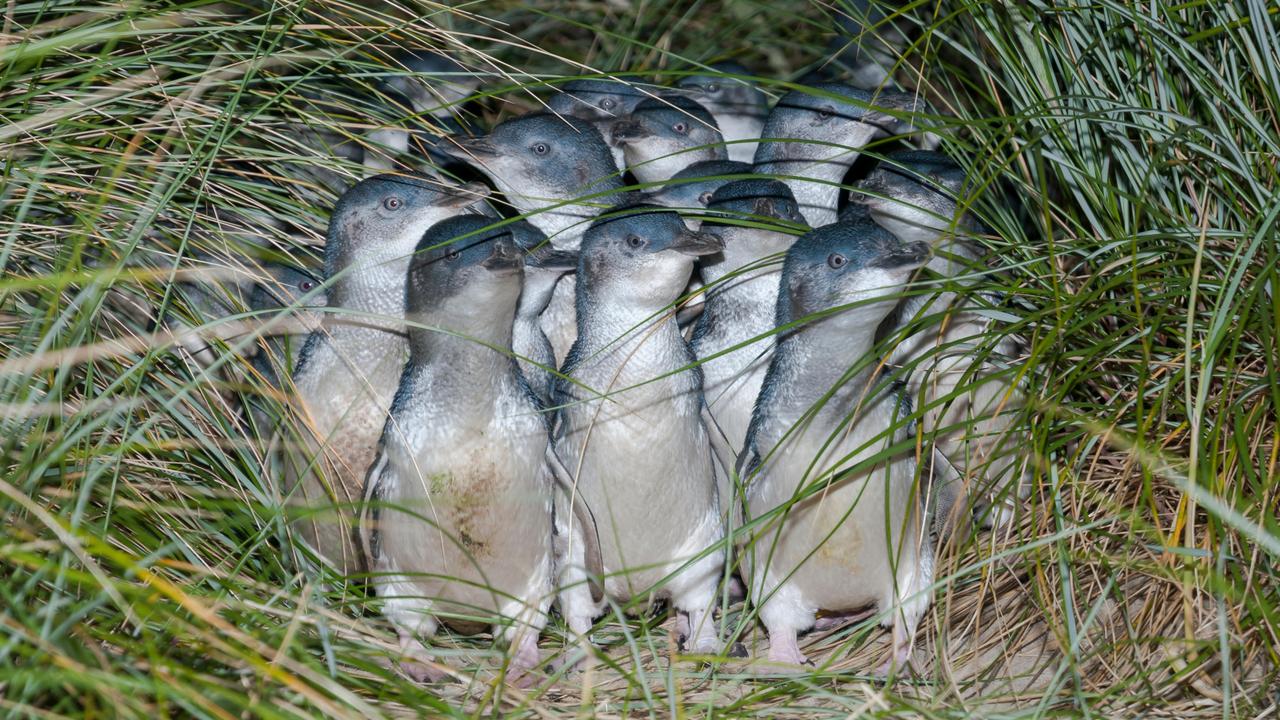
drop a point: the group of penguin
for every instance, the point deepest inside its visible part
(693, 356)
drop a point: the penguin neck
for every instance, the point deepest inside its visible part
(535, 295)
(563, 225)
(373, 299)
(606, 326)
(560, 219)
(813, 171)
(747, 263)
(476, 352)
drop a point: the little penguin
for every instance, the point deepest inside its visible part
(691, 188)
(558, 173)
(543, 267)
(600, 101)
(665, 135)
(839, 528)
(813, 136)
(630, 429)
(350, 367)
(731, 338)
(458, 517)
(914, 195)
(739, 107)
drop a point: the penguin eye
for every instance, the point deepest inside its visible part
(713, 88)
(393, 203)
(705, 198)
(541, 148)
(454, 254)
(607, 104)
(307, 285)
(837, 261)
(634, 241)
(825, 112)
(680, 128)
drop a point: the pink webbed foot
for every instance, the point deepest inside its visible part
(422, 672)
(523, 660)
(417, 664)
(899, 662)
(784, 653)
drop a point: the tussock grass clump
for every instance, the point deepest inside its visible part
(1124, 161)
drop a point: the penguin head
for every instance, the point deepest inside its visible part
(913, 194)
(860, 265)
(830, 116)
(692, 187)
(466, 273)
(431, 82)
(289, 287)
(596, 99)
(542, 156)
(379, 221)
(737, 211)
(757, 199)
(639, 257)
(667, 134)
(727, 95)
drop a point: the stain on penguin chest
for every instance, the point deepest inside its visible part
(465, 497)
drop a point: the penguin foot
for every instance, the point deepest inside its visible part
(423, 672)
(785, 651)
(893, 667)
(522, 680)
(898, 665)
(772, 667)
(525, 658)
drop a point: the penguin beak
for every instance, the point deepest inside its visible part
(911, 255)
(553, 260)
(697, 244)
(465, 195)
(625, 131)
(465, 146)
(504, 257)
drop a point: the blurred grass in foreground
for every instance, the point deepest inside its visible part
(1129, 156)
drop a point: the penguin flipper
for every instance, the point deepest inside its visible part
(587, 519)
(367, 521)
(720, 447)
